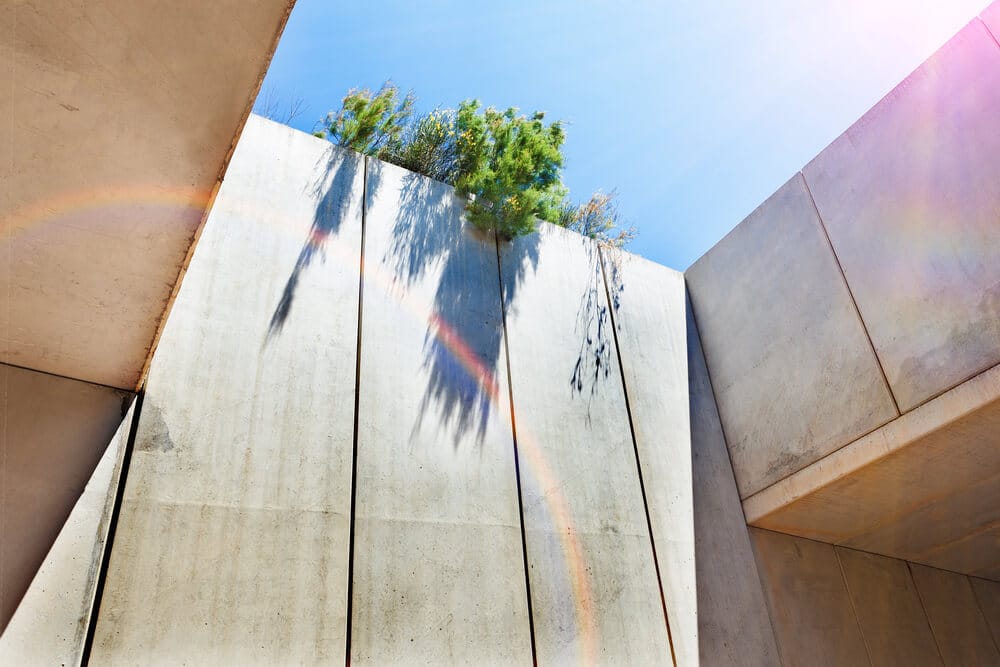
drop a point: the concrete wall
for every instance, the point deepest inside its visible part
(438, 565)
(836, 606)
(233, 539)
(794, 374)
(590, 556)
(513, 481)
(734, 627)
(54, 432)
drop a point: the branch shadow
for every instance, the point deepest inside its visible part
(593, 324)
(334, 188)
(464, 334)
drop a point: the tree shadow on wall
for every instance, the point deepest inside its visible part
(334, 189)
(464, 334)
(594, 321)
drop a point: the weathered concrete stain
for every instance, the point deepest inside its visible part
(155, 432)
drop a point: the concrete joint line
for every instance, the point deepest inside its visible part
(854, 608)
(850, 292)
(923, 608)
(635, 450)
(357, 406)
(517, 462)
(109, 540)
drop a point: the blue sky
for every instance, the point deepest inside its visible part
(695, 111)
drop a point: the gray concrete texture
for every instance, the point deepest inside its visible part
(734, 627)
(795, 377)
(910, 196)
(438, 566)
(53, 433)
(233, 543)
(594, 590)
(120, 117)
(956, 617)
(838, 606)
(233, 538)
(923, 488)
(50, 624)
(646, 302)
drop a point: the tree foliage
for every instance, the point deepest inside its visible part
(598, 218)
(507, 164)
(368, 122)
(512, 166)
(428, 146)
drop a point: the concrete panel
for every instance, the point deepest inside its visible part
(888, 610)
(50, 624)
(988, 596)
(814, 621)
(955, 618)
(53, 432)
(910, 196)
(438, 561)
(794, 374)
(593, 583)
(734, 627)
(232, 542)
(650, 325)
(120, 118)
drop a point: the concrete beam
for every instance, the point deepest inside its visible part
(909, 489)
(122, 116)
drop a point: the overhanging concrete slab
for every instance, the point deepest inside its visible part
(122, 117)
(923, 488)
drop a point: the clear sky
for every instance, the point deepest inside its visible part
(694, 110)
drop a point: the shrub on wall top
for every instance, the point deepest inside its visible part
(509, 165)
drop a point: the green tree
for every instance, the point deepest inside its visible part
(508, 165)
(368, 122)
(511, 165)
(427, 146)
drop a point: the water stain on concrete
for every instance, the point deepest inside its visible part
(970, 348)
(154, 435)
